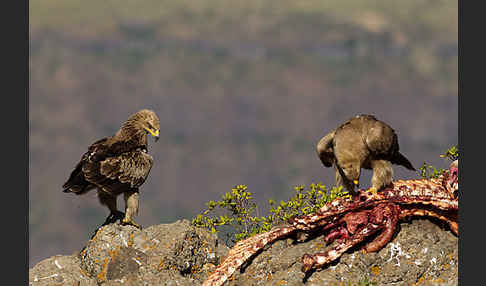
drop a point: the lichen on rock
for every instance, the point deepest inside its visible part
(165, 254)
(421, 253)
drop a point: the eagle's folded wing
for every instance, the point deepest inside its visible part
(381, 140)
(324, 149)
(130, 167)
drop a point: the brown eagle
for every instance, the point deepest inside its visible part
(117, 164)
(362, 142)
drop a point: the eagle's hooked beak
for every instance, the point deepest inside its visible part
(154, 133)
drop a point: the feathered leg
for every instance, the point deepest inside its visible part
(110, 201)
(131, 207)
(382, 174)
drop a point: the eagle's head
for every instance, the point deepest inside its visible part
(145, 120)
(351, 172)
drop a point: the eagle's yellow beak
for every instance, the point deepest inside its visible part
(155, 134)
(356, 182)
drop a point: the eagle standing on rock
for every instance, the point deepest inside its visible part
(362, 142)
(117, 164)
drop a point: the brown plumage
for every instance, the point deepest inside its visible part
(117, 164)
(362, 142)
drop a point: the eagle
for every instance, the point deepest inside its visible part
(362, 142)
(117, 164)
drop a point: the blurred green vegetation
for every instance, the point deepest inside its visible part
(213, 16)
(345, 36)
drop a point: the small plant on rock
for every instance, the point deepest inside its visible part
(429, 171)
(237, 213)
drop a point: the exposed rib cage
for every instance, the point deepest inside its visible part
(425, 197)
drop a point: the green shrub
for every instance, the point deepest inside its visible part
(451, 153)
(429, 171)
(239, 212)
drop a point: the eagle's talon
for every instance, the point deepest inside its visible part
(126, 221)
(349, 197)
(372, 190)
(113, 217)
(118, 215)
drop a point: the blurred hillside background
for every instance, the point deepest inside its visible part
(243, 89)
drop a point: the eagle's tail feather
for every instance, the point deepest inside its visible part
(399, 159)
(78, 189)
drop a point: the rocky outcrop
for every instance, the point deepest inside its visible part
(166, 254)
(422, 253)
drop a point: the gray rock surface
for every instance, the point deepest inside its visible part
(422, 253)
(166, 254)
